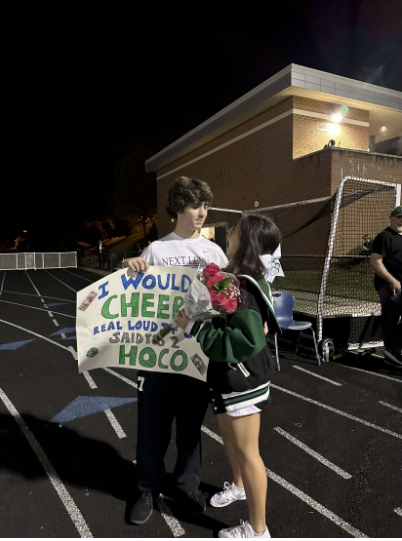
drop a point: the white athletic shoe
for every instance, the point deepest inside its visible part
(230, 493)
(244, 530)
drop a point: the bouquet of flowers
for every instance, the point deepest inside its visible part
(211, 293)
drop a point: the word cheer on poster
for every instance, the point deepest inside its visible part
(118, 316)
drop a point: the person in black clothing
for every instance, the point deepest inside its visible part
(386, 260)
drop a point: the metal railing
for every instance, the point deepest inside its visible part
(37, 260)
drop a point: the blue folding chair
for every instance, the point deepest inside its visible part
(284, 303)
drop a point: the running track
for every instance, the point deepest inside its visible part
(331, 440)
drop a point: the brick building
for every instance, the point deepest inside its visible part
(267, 146)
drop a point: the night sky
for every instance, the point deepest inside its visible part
(90, 86)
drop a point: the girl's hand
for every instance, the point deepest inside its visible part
(182, 319)
(266, 330)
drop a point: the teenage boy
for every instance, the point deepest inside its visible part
(163, 397)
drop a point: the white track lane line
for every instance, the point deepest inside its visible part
(301, 495)
(126, 380)
(90, 381)
(339, 412)
(34, 286)
(64, 284)
(2, 283)
(166, 512)
(68, 502)
(314, 454)
(32, 295)
(75, 274)
(398, 511)
(115, 424)
(317, 375)
(171, 521)
(390, 406)
(35, 308)
(368, 372)
(36, 334)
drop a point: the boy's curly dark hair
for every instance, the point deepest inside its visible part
(187, 191)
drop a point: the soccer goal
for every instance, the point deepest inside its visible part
(326, 251)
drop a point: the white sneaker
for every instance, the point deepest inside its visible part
(244, 530)
(230, 493)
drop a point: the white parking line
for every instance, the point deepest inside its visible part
(55, 322)
(390, 406)
(317, 375)
(64, 284)
(35, 308)
(36, 334)
(368, 372)
(301, 495)
(314, 454)
(79, 276)
(339, 412)
(115, 424)
(68, 502)
(398, 511)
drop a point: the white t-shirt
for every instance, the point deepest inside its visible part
(175, 250)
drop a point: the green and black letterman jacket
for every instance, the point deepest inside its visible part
(240, 359)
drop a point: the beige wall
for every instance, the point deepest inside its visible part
(266, 166)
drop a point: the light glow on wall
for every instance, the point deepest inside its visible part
(334, 130)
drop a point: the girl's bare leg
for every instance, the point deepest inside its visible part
(230, 452)
(243, 434)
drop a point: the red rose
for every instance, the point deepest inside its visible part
(215, 278)
(210, 270)
(231, 305)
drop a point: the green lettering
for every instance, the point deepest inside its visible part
(162, 306)
(161, 355)
(183, 364)
(150, 362)
(177, 305)
(147, 303)
(133, 304)
(132, 354)
(105, 309)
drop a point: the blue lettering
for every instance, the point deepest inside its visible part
(150, 278)
(146, 325)
(154, 326)
(160, 282)
(118, 326)
(104, 292)
(96, 330)
(131, 282)
(131, 327)
(183, 283)
(103, 328)
(111, 326)
(174, 286)
(138, 325)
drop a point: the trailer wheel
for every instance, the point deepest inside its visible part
(326, 349)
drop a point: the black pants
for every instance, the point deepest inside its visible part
(161, 398)
(391, 307)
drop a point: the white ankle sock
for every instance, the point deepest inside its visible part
(238, 488)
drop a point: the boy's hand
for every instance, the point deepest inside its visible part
(395, 285)
(182, 319)
(266, 330)
(136, 264)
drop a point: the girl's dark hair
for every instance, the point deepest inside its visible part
(258, 235)
(187, 191)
